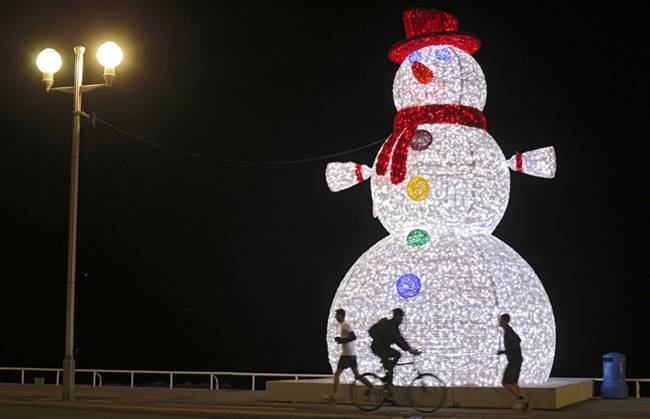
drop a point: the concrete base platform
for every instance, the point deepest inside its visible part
(555, 394)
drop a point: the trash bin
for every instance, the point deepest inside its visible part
(614, 385)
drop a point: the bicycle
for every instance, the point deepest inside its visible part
(427, 392)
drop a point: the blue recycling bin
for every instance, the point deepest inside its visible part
(614, 385)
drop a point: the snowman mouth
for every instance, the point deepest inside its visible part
(439, 88)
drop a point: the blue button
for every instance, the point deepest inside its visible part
(408, 285)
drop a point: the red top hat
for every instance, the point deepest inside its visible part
(426, 27)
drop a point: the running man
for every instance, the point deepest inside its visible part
(511, 375)
(348, 357)
(385, 333)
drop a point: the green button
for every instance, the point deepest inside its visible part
(417, 237)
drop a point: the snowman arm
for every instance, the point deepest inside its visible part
(340, 176)
(540, 162)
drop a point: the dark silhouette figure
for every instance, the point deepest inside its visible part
(512, 350)
(385, 333)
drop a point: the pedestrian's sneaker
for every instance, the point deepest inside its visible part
(329, 397)
(520, 405)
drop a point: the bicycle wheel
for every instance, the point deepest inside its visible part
(365, 397)
(427, 393)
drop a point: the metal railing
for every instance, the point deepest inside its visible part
(213, 376)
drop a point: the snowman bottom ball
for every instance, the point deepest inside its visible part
(453, 289)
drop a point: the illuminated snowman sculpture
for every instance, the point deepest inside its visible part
(440, 185)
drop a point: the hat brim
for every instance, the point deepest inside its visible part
(465, 41)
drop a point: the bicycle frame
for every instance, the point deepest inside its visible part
(414, 368)
(375, 398)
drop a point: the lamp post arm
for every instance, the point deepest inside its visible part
(83, 89)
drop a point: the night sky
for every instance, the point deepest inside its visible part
(191, 264)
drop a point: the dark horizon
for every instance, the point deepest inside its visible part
(190, 264)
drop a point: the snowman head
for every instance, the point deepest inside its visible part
(436, 64)
(439, 74)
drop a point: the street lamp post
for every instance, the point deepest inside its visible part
(49, 62)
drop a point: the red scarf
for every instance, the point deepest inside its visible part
(407, 121)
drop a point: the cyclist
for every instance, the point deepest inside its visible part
(385, 333)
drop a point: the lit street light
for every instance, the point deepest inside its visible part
(110, 56)
(49, 62)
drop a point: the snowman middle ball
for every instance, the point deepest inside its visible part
(456, 176)
(460, 182)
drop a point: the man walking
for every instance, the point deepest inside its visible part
(513, 352)
(348, 357)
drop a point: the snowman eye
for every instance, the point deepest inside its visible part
(443, 54)
(415, 57)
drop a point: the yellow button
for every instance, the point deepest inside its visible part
(418, 188)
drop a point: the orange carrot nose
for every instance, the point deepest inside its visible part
(422, 73)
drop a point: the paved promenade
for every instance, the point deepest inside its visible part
(113, 402)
